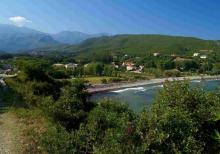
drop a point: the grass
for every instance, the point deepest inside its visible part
(35, 124)
(96, 79)
(124, 76)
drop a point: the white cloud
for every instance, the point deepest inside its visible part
(19, 21)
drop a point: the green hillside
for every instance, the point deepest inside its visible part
(142, 44)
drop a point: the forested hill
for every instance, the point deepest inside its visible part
(142, 44)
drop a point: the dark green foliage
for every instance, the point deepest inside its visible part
(104, 57)
(172, 73)
(189, 65)
(58, 73)
(73, 106)
(5, 56)
(181, 119)
(110, 128)
(109, 70)
(165, 64)
(57, 141)
(94, 69)
(216, 68)
(33, 83)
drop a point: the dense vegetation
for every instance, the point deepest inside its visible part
(142, 44)
(181, 120)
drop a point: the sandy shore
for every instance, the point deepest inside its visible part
(122, 85)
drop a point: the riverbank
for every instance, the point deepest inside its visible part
(108, 87)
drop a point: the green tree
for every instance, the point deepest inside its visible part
(181, 120)
(94, 69)
(73, 106)
(110, 128)
(189, 65)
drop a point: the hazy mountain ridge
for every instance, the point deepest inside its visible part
(14, 38)
(74, 37)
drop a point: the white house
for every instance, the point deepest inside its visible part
(156, 54)
(71, 66)
(196, 54)
(203, 56)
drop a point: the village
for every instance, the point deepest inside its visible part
(126, 67)
(130, 66)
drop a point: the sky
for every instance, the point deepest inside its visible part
(198, 18)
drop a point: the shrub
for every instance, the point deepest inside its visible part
(104, 81)
(172, 73)
(73, 106)
(115, 79)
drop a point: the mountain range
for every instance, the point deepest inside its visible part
(19, 39)
(14, 39)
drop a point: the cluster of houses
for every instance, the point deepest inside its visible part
(196, 54)
(129, 65)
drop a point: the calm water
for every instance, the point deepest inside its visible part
(139, 97)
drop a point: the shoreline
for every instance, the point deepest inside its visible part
(115, 86)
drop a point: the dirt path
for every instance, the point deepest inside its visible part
(10, 134)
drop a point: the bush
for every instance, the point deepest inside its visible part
(172, 73)
(110, 128)
(182, 120)
(73, 106)
(57, 141)
(58, 74)
(115, 79)
(104, 81)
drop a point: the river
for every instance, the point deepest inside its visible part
(139, 97)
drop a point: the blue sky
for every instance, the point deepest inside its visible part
(200, 18)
